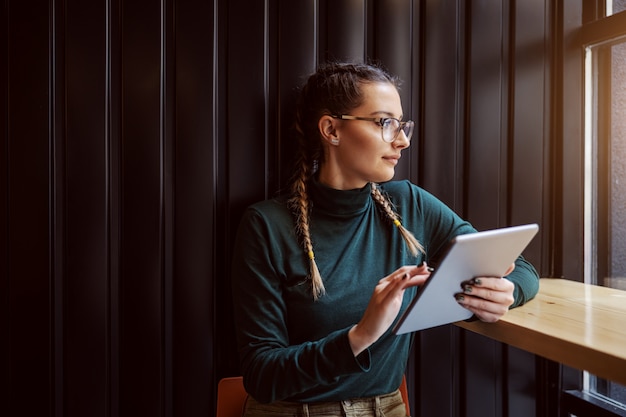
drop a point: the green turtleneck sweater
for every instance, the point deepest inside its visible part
(296, 349)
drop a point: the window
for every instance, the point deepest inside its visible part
(615, 6)
(605, 178)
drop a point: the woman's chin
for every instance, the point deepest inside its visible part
(385, 177)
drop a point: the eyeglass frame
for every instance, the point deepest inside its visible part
(380, 121)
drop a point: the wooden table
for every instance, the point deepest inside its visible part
(579, 325)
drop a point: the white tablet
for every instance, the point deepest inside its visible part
(485, 254)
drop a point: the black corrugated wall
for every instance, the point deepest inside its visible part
(133, 134)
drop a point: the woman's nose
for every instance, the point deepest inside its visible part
(401, 140)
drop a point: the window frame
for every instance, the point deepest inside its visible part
(592, 29)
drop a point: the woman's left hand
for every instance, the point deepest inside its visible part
(487, 297)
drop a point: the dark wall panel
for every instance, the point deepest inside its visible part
(486, 177)
(134, 134)
(483, 392)
(5, 359)
(487, 118)
(113, 127)
(522, 382)
(530, 123)
(438, 372)
(141, 227)
(570, 225)
(347, 25)
(296, 56)
(245, 170)
(441, 165)
(27, 222)
(441, 118)
(196, 168)
(79, 182)
(529, 182)
(246, 114)
(394, 48)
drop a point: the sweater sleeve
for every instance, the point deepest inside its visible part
(526, 280)
(267, 358)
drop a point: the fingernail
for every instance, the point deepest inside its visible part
(431, 269)
(422, 264)
(467, 289)
(476, 281)
(459, 297)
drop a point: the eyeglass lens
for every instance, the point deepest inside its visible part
(391, 129)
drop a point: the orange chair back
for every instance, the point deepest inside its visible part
(405, 395)
(231, 397)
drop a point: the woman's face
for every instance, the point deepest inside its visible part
(359, 155)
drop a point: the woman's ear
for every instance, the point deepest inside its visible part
(326, 126)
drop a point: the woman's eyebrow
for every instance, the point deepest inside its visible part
(386, 114)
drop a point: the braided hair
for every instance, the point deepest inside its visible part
(334, 88)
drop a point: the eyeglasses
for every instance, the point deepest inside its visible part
(390, 127)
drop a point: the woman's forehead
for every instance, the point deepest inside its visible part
(381, 98)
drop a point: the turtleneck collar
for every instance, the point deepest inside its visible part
(339, 201)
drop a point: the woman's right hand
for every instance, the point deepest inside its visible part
(384, 305)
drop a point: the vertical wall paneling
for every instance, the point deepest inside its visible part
(439, 372)
(346, 34)
(298, 30)
(486, 124)
(414, 109)
(486, 183)
(483, 376)
(442, 153)
(572, 221)
(5, 358)
(519, 382)
(552, 99)
(167, 100)
(113, 190)
(529, 125)
(58, 179)
(27, 186)
(80, 184)
(245, 176)
(442, 164)
(416, 103)
(134, 134)
(394, 47)
(141, 267)
(246, 104)
(219, 227)
(196, 239)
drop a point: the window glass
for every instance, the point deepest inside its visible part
(605, 189)
(616, 276)
(615, 6)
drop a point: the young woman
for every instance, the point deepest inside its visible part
(320, 275)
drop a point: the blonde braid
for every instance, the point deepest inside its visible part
(300, 205)
(411, 242)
